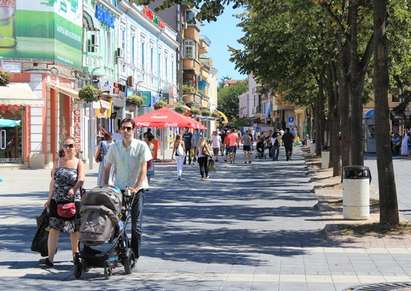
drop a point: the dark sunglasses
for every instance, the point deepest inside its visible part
(67, 146)
(127, 128)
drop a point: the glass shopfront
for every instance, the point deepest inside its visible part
(11, 134)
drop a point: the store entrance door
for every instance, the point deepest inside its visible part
(11, 142)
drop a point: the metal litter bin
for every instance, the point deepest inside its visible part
(356, 192)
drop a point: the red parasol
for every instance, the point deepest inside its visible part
(165, 117)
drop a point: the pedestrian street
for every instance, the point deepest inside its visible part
(249, 227)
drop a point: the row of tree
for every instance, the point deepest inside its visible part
(319, 54)
(330, 56)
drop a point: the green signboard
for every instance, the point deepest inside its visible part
(49, 30)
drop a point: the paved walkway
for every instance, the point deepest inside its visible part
(402, 170)
(250, 227)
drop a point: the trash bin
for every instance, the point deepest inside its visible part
(356, 192)
(312, 147)
(325, 159)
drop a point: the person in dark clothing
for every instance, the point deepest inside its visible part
(288, 140)
(187, 137)
(275, 141)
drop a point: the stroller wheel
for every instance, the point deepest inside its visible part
(78, 269)
(129, 262)
(107, 272)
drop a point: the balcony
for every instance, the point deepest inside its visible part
(92, 60)
(192, 65)
(192, 32)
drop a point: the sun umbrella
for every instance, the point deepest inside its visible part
(165, 117)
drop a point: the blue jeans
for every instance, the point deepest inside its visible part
(137, 223)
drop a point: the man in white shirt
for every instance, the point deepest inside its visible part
(129, 159)
(216, 143)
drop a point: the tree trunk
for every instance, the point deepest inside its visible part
(335, 125)
(344, 105)
(319, 138)
(357, 152)
(386, 178)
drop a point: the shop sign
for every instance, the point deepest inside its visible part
(149, 14)
(11, 67)
(47, 30)
(76, 124)
(104, 16)
(147, 98)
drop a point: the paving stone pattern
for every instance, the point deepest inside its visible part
(250, 227)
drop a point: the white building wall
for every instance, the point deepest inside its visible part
(157, 53)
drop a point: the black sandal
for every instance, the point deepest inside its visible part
(46, 262)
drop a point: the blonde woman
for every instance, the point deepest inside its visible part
(67, 178)
(178, 152)
(203, 153)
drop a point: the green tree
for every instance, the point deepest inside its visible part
(228, 101)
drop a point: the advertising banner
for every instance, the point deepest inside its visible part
(49, 30)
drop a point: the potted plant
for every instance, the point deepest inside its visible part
(135, 100)
(4, 78)
(188, 89)
(160, 104)
(205, 111)
(89, 93)
(195, 111)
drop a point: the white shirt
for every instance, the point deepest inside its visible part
(216, 140)
(127, 162)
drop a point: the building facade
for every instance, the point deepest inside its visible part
(121, 49)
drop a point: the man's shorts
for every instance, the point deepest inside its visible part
(232, 149)
(247, 148)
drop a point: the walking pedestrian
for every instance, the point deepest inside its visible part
(247, 142)
(223, 135)
(178, 152)
(101, 153)
(148, 139)
(187, 137)
(231, 143)
(63, 202)
(404, 144)
(216, 144)
(275, 141)
(129, 159)
(203, 152)
(288, 140)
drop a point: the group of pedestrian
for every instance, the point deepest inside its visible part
(193, 147)
(400, 145)
(122, 164)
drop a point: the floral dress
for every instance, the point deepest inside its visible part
(64, 179)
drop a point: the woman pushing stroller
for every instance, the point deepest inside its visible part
(67, 178)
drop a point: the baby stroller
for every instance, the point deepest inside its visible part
(260, 147)
(105, 213)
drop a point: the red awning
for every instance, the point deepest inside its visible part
(165, 117)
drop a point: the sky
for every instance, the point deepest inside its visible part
(222, 33)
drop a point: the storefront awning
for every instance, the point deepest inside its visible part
(19, 94)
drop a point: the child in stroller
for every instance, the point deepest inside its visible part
(105, 213)
(260, 146)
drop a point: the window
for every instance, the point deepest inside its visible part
(143, 45)
(152, 60)
(166, 64)
(133, 47)
(123, 40)
(92, 42)
(189, 49)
